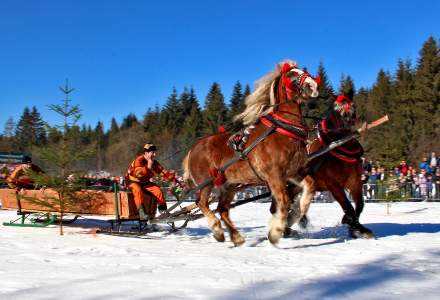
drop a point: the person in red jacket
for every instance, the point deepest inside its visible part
(340, 123)
(20, 178)
(139, 175)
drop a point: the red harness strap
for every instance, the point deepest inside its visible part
(284, 131)
(340, 148)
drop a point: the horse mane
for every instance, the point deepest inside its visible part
(260, 102)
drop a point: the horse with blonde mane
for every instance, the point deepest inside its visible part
(278, 135)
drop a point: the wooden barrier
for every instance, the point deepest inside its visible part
(120, 204)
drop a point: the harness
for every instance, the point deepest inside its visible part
(349, 152)
(285, 127)
(273, 121)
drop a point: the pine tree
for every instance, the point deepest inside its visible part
(192, 127)
(152, 124)
(172, 112)
(380, 102)
(63, 156)
(30, 130)
(426, 96)
(360, 100)
(38, 125)
(7, 140)
(236, 104)
(114, 128)
(23, 131)
(9, 128)
(186, 101)
(346, 87)
(129, 121)
(100, 145)
(316, 109)
(403, 116)
(215, 112)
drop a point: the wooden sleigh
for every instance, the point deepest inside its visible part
(118, 204)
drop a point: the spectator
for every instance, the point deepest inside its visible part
(366, 165)
(423, 185)
(433, 161)
(403, 167)
(415, 186)
(436, 184)
(403, 185)
(391, 188)
(372, 184)
(424, 165)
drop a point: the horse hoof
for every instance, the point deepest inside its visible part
(219, 235)
(362, 234)
(238, 240)
(304, 222)
(289, 232)
(275, 235)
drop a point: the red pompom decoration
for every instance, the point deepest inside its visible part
(342, 98)
(286, 68)
(318, 80)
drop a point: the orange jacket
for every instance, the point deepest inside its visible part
(138, 171)
(19, 174)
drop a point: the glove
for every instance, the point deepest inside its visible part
(178, 191)
(162, 207)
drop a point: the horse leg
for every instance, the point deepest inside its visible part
(358, 199)
(213, 222)
(309, 190)
(355, 228)
(359, 203)
(224, 205)
(278, 223)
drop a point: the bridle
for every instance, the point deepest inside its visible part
(290, 128)
(291, 86)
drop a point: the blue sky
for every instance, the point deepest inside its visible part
(126, 56)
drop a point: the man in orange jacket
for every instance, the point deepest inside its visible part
(19, 178)
(139, 175)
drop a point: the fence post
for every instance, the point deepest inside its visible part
(115, 189)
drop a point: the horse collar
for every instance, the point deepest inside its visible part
(284, 126)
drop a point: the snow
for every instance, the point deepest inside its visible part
(320, 263)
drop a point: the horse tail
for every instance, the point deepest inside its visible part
(187, 177)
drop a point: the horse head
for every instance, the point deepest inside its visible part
(286, 84)
(294, 84)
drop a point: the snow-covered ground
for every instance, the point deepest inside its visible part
(321, 263)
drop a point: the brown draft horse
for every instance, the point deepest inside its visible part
(335, 175)
(273, 161)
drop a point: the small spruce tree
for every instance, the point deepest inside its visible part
(64, 185)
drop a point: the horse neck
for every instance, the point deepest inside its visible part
(290, 110)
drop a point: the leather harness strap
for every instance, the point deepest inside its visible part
(285, 127)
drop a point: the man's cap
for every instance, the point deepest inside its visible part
(27, 159)
(150, 147)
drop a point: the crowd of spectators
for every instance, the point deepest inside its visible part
(405, 181)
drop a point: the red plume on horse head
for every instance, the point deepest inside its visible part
(342, 98)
